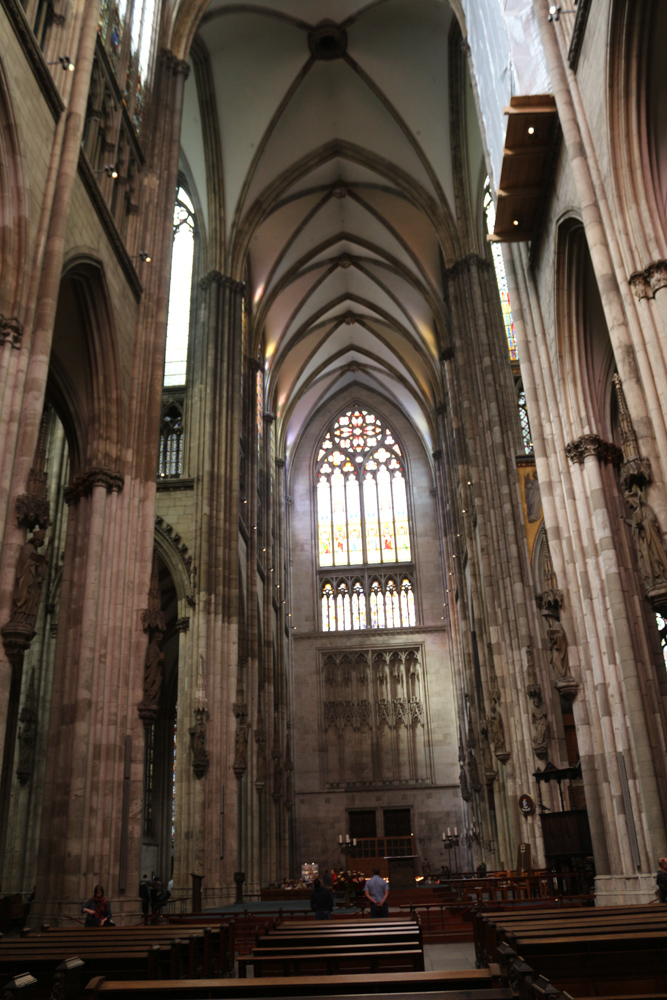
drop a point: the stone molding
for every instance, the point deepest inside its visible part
(465, 266)
(222, 280)
(98, 475)
(11, 329)
(645, 284)
(33, 53)
(592, 444)
(174, 540)
(108, 223)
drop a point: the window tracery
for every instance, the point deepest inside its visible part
(171, 443)
(362, 521)
(180, 290)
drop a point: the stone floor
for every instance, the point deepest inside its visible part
(449, 957)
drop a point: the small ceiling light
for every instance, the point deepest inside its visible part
(277, 586)
(463, 511)
(144, 256)
(65, 62)
(515, 222)
(531, 130)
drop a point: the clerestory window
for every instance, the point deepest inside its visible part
(363, 521)
(180, 290)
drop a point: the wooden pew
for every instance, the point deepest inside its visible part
(491, 928)
(611, 964)
(332, 962)
(473, 984)
(211, 950)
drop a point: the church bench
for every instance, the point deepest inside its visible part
(336, 938)
(491, 928)
(332, 962)
(599, 964)
(469, 984)
(212, 951)
(124, 959)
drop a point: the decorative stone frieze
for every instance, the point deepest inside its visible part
(592, 444)
(645, 284)
(11, 331)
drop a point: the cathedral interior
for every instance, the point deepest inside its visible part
(333, 396)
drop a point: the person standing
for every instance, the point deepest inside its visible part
(145, 897)
(321, 901)
(661, 880)
(97, 909)
(376, 893)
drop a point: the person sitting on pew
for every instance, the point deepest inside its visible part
(376, 893)
(661, 880)
(97, 909)
(321, 901)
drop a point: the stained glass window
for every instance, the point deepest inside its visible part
(350, 604)
(501, 277)
(662, 629)
(525, 424)
(180, 290)
(361, 497)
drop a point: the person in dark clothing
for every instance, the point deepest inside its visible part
(321, 901)
(97, 909)
(145, 897)
(159, 898)
(661, 880)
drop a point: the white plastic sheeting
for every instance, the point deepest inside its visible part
(507, 59)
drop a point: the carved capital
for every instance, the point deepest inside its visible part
(32, 510)
(568, 688)
(83, 486)
(11, 329)
(645, 284)
(465, 265)
(183, 625)
(592, 444)
(16, 638)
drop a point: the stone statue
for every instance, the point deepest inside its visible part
(30, 575)
(557, 647)
(540, 722)
(647, 538)
(496, 727)
(463, 781)
(533, 497)
(198, 744)
(153, 671)
(474, 773)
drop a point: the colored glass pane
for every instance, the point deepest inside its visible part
(501, 277)
(401, 518)
(372, 529)
(374, 608)
(324, 522)
(358, 607)
(354, 521)
(386, 516)
(339, 518)
(407, 603)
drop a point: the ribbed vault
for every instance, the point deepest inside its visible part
(333, 191)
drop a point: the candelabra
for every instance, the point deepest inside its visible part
(450, 840)
(471, 835)
(346, 848)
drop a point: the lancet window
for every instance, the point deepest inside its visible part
(363, 521)
(171, 443)
(501, 277)
(180, 290)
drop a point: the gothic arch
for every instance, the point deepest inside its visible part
(84, 380)
(586, 357)
(13, 212)
(638, 133)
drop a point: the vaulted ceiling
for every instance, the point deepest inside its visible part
(319, 138)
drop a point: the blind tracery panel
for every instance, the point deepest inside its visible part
(350, 606)
(361, 494)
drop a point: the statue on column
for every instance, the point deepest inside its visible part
(30, 575)
(557, 646)
(647, 537)
(540, 724)
(496, 729)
